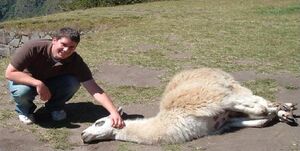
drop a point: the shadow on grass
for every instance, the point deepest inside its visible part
(82, 112)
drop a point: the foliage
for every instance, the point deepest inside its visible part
(13, 9)
(83, 4)
(5, 8)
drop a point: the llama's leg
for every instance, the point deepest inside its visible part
(243, 122)
(251, 105)
(264, 109)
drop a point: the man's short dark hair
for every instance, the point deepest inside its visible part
(68, 32)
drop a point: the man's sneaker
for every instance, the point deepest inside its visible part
(26, 119)
(59, 115)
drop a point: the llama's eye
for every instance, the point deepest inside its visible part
(100, 123)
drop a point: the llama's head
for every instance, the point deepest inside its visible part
(101, 130)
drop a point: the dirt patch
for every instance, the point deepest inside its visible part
(179, 55)
(245, 62)
(276, 138)
(14, 140)
(124, 75)
(144, 47)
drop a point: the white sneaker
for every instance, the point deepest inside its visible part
(59, 115)
(26, 119)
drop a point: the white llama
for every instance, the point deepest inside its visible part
(195, 103)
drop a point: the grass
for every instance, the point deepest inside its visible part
(6, 114)
(263, 87)
(137, 94)
(171, 147)
(216, 33)
(290, 9)
(3, 64)
(234, 35)
(124, 146)
(58, 138)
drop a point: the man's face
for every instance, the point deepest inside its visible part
(63, 48)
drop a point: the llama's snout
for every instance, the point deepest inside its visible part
(86, 137)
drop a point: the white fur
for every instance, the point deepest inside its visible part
(195, 103)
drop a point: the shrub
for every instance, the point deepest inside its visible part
(83, 4)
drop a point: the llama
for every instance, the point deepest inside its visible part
(194, 104)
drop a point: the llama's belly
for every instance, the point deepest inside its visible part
(187, 128)
(216, 122)
(202, 126)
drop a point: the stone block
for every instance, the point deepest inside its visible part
(4, 50)
(47, 37)
(24, 39)
(35, 35)
(3, 37)
(14, 42)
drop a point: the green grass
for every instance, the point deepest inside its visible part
(175, 147)
(124, 146)
(263, 87)
(137, 94)
(3, 64)
(216, 33)
(6, 114)
(58, 138)
(290, 9)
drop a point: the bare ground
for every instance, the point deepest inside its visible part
(278, 137)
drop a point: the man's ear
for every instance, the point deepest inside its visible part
(120, 110)
(54, 39)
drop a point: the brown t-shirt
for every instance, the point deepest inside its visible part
(35, 58)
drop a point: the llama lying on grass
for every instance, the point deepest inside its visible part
(196, 103)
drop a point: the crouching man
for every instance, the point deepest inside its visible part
(52, 70)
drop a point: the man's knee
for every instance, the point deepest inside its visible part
(22, 91)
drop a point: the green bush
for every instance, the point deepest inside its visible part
(83, 4)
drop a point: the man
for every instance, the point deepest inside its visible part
(54, 71)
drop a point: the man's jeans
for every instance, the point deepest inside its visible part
(62, 89)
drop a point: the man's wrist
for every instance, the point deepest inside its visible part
(37, 83)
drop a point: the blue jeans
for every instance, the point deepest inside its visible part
(62, 89)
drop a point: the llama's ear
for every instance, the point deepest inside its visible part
(120, 110)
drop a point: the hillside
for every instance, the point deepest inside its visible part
(17, 9)
(12, 9)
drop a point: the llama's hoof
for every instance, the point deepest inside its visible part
(293, 121)
(285, 113)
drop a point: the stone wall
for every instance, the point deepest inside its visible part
(11, 40)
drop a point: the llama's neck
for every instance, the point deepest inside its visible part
(144, 131)
(161, 129)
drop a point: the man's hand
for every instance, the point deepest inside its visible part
(13, 74)
(117, 121)
(92, 87)
(43, 91)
